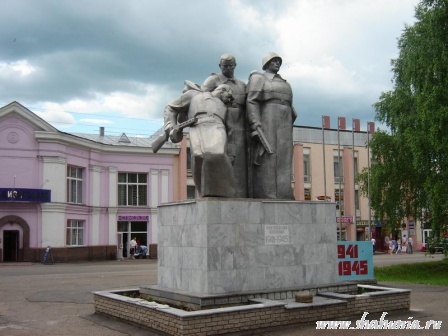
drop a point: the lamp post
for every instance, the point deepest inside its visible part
(370, 125)
(339, 177)
(355, 122)
(324, 120)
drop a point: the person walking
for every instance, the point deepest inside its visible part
(410, 247)
(132, 246)
(393, 246)
(399, 251)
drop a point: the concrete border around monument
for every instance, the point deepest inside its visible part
(260, 314)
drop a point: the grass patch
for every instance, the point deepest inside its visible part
(428, 273)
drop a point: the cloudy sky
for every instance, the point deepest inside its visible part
(82, 64)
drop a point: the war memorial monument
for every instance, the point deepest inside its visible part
(243, 255)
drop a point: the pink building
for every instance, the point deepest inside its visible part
(84, 195)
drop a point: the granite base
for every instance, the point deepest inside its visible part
(218, 246)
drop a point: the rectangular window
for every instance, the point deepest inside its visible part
(132, 189)
(191, 192)
(338, 169)
(188, 159)
(306, 168)
(74, 185)
(307, 194)
(75, 232)
(339, 199)
(341, 235)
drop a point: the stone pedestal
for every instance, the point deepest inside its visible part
(219, 246)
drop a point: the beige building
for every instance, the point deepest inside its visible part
(316, 174)
(322, 174)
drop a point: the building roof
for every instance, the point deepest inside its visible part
(43, 127)
(124, 140)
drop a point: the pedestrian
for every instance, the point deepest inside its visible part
(373, 244)
(393, 246)
(398, 251)
(132, 245)
(410, 247)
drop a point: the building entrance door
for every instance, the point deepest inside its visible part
(11, 245)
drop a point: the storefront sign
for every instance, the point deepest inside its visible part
(345, 219)
(355, 260)
(365, 223)
(25, 195)
(323, 198)
(133, 218)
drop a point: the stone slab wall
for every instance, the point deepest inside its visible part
(216, 246)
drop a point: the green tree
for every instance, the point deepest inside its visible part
(410, 173)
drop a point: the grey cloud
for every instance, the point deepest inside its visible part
(82, 47)
(85, 46)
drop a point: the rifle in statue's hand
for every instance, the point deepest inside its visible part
(161, 139)
(265, 146)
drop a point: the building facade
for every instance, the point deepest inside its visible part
(87, 195)
(83, 195)
(326, 162)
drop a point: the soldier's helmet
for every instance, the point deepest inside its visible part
(269, 57)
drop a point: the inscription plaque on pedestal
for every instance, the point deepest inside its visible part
(276, 235)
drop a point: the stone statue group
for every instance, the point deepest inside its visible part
(240, 135)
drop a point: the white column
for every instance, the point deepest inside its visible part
(112, 218)
(95, 185)
(53, 225)
(113, 187)
(155, 227)
(55, 171)
(154, 185)
(95, 227)
(165, 185)
(113, 202)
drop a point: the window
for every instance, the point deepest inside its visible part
(132, 189)
(188, 159)
(306, 168)
(355, 165)
(338, 169)
(357, 199)
(75, 232)
(74, 185)
(339, 201)
(191, 192)
(307, 194)
(342, 236)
